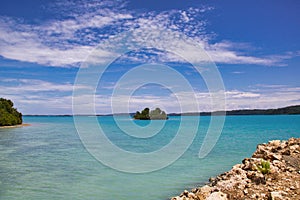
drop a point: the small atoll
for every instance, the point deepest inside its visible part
(9, 116)
(146, 114)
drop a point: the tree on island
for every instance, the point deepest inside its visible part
(158, 114)
(146, 114)
(9, 116)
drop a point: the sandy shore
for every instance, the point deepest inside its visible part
(16, 126)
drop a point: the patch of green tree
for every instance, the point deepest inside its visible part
(290, 110)
(146, 114)
(9, 116)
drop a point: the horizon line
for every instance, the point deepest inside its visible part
(172, 113)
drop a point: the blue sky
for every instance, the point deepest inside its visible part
(254, 44)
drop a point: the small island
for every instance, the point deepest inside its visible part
(9, 116)
(146, 114)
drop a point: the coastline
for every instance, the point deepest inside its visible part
(248, 181)
(15, 126)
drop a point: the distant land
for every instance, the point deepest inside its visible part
(289, 110)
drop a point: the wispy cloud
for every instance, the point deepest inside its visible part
(237, 72)
(263, 96)
(33, 96)
(69, 40)
(22, 86)
(235, 99)
(240, 53)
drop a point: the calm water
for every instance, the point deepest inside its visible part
(48, 161)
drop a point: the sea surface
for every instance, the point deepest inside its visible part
(47, 160)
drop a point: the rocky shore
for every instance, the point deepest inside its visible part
(272, 173)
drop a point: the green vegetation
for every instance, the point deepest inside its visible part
(264, 167)
(9, 116)
(290, 110)
(158, 114)
(146, 114)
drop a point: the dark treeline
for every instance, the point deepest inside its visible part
(290, 110)
(9, 116)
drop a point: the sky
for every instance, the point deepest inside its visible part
(45, 45)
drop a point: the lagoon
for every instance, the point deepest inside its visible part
(48, 161)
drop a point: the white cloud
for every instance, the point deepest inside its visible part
(236, 53)
(33, 96)
(34, 85)
(262, 97)
(70, 40)
(239, 94)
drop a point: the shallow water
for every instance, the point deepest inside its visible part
(48, 161)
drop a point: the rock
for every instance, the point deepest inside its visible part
(245, 181)
(185, 193)
(195, 190)
(275, 143)
(292, 188)
(212, 179)
(277, 156)
(283, 145)
(205, 191)
(294, 147)
(217, 196)
(191, 195)
(276, 196)
(247, 165)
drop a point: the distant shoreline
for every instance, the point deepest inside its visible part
(289, 110)
(16, 126)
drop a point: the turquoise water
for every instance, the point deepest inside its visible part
(48, 161)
